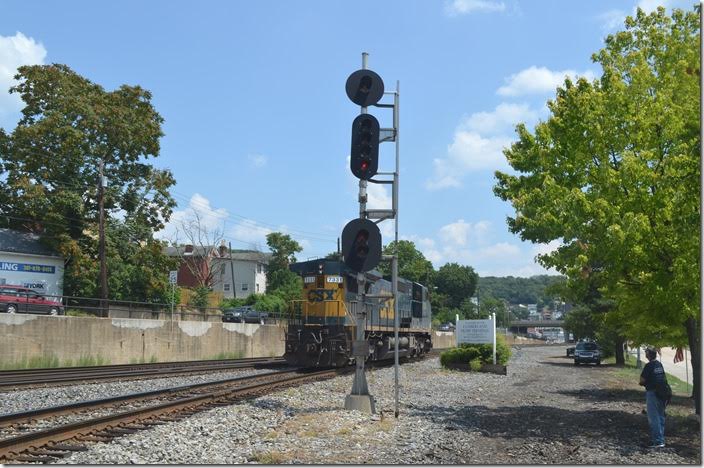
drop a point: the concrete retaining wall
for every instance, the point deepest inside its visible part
(124, 341)
(66, 340)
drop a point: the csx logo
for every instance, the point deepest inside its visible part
(320, 295)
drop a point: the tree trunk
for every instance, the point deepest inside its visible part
(694, 350)
(618, 351)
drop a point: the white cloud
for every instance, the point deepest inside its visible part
(504, 116)
(257, 160)
(210, 220)
(378, 197)
(611, 19)
(15, 51)
(542, 249)
(474, 244)
(478, 144)
(538, 80)
(249, 231)
(464, 7)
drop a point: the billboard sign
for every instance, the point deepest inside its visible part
(475, 331)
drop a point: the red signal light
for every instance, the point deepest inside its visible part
(364, 166)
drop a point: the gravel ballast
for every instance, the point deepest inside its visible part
(544, 411)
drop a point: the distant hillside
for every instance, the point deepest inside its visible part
(518, 290)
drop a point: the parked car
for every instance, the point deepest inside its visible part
(447, 327)
(570, 351)
(245, 314)
(18, 299)
(586, 352)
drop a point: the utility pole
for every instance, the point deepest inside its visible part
(101, 242)
(232, 272)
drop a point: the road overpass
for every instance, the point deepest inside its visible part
(537, 323)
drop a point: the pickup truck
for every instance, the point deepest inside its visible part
(245, 314)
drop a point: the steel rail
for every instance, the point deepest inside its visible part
(121, 423)
(17, 378)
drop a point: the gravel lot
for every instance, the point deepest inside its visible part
(544, 411)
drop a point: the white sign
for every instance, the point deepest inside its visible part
(172, 277)
(475, 331)
(334, 279)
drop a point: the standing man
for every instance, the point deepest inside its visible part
(653, 373)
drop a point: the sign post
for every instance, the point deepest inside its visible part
(173, 276)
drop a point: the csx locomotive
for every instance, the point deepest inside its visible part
(322, 325)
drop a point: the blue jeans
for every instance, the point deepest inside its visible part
(656, 417)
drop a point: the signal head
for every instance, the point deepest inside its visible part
(364, 88)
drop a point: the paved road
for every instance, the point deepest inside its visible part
(682, 370)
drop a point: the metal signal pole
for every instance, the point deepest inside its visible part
(359, 398)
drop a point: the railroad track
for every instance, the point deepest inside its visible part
(157, 407)
(35, 377)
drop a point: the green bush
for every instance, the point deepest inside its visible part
(78, 313)
(483, 352)
(475, 364)
(232, 303)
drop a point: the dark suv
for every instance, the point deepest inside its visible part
(586, 352)
(18, 299)
(245, 314)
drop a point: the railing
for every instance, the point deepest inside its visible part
(96, 307)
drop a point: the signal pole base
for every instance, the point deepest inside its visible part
(364, 403)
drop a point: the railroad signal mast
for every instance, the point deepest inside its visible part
(361, 238)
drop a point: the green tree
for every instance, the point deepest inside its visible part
(280, 280)
(614, 173)
(412, 264)
(51, 160)
(458, 282)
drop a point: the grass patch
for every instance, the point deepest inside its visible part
(269, 458)
(35, 362)
(221, 356)
(52, 361)
(631, 372)
(86, 361)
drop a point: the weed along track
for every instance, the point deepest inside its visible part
(52, 376)
(149, 409)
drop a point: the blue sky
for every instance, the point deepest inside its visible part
(257, 123)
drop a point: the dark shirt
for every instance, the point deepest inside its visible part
(652, 372)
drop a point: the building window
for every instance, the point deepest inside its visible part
(259, 267)
(222, 269)
(257, 287)
(226, 287)
(245, 286)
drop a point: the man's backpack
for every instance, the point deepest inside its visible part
(663, 391)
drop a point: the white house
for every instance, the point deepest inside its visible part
(24, 261)
(249, 269)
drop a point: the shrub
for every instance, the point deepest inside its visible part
(475, 364)
(483, 352)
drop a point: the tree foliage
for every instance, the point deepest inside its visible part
(517, 290)
(280, 280)
(458, 282)
(412, 264)
(51, 160)
(614, 174)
